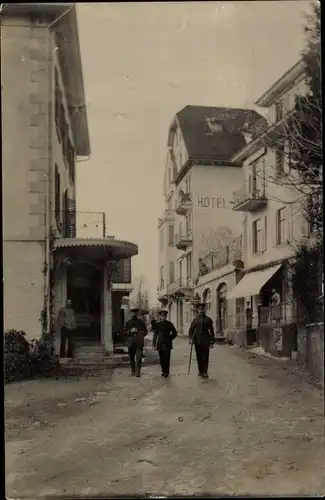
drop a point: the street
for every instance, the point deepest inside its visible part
(255, 427)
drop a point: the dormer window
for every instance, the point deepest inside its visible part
(214, 125)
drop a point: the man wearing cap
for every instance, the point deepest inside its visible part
(136, 330)
(67, 324)
(164, 334)
(201, 333)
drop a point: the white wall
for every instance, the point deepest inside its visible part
(214, 221)
(288, 98)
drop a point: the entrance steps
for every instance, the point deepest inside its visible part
(92, 356)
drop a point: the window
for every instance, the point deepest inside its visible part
(170, 203)
(65, 214)
(57, 195)
(171, 272)
(180, 270)
(188, 185)
(161, 281)
(161, 238)
(188, 225)
(257, 235)
(57, 101)
(279, 110)
(279, 161)
(281, 226)
(207, 299)
(189, 266)
(180, 159)
(171, 235)
(71, 161)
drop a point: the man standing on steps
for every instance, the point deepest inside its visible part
(136, 330)
(164, 334)
(201, 333)
(67, 324)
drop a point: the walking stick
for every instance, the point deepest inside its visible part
(190, 360)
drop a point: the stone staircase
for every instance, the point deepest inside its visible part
(90, 355)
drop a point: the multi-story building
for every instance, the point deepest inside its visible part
(44, 133)
(200, 178)
(271, 203)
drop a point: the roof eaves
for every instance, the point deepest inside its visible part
(282, 84)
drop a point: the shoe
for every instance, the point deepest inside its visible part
(166, 375)
(205, 375)
(200, 374)
(162, 374)
(137, 375)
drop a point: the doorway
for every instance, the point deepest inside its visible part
(222, 307)
(84, 290)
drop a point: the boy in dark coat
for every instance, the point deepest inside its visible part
(136, 330)
(201, 332)
(164, 334)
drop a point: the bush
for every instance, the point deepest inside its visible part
(16, 355)
(25, 359)
(43, 360)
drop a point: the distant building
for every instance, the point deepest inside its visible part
(200, 178)
(271, 204)
(44, 132)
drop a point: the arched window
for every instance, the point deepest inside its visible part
(222, 307)
(207, 299)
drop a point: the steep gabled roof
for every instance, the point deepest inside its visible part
(217, 133)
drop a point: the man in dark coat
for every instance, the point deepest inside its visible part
(136, 330)
(201, 332)
(164, 334)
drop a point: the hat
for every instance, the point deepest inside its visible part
(163, 311)
(134, 310)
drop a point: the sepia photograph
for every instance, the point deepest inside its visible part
(163, 269)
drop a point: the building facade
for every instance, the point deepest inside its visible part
(45, 132)
(272, 206)
(198, 187)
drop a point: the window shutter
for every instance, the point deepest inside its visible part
(72, 218)
(265, 234)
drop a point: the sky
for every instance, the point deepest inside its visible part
(142, 63)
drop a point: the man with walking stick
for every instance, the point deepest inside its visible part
(201, 335)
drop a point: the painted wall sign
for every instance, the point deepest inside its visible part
(211, 202)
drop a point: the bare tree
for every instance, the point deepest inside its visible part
(297, 136)
(140, 295)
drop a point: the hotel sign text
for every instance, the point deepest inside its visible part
(208, 202)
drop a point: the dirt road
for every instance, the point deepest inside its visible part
(255, 427)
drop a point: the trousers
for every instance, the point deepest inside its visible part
(66, 338)
(135, 356)
(164, 357)
(202, 356)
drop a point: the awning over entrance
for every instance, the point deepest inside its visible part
(100, 247)
(252, 283)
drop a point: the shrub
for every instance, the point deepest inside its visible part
(25, 359)
(43, 360)
(16, 355)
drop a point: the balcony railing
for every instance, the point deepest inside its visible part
(287, 313)
(78, 224)
(249, 199)
(180, 285)
(183, 241)
(183, 204)
(221, 257)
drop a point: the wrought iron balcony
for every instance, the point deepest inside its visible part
(183, 204)
(182, 287)
(221, 257)
(248, 199)
(77, 224)
(183, 241)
